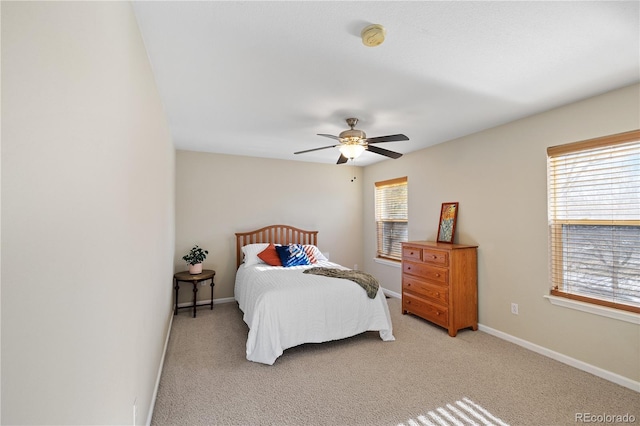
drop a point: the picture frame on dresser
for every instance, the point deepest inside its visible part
(447, 224)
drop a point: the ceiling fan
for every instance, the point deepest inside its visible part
(354, 142)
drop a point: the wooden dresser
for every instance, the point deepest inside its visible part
(440, 283)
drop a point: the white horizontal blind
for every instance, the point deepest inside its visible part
(594, 220)
(392, 219)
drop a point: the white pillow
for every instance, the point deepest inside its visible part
(251, 251)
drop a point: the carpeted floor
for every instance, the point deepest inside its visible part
(424, 377)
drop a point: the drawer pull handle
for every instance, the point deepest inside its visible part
(437, 294)
(408, 268)
(437, 275)
(409, 285)
(435, 257)
(411, 253)
(408, 302)
(437, 313)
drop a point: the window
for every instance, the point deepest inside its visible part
(594, 220)
(392, 224)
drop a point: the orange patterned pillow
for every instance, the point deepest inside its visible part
(310, 251)
(270, 256)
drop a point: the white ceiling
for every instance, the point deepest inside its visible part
(263, 78)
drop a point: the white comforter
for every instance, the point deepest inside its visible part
(284, 308)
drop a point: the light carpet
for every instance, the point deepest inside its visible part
(424, 377)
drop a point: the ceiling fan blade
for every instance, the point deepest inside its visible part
(384, 152)
(390, 138)
(342, 159)
(329, 136)
(316, 149)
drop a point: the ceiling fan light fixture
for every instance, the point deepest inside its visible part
(351, 150)
(354, 142)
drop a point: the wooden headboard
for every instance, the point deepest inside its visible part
(277, 234)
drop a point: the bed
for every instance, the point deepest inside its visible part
(285, 307)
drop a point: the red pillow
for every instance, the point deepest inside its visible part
(270, 256)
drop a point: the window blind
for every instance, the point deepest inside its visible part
(594, 220)
(392, 220)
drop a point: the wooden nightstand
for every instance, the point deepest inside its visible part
(185, 276)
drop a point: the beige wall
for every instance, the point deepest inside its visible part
(499, 178)
(87, 216)
(218, 195)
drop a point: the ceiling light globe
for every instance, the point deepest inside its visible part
(351, 151)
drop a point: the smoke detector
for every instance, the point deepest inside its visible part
(373, 35)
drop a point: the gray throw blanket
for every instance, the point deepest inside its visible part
(368, 282)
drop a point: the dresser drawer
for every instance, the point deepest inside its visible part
(426, 271)
(425, 309)
(411, 253)
(437, 257)
(434, 292)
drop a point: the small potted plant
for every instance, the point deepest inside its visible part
(194, 258)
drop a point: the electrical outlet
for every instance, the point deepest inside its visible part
(514, 308)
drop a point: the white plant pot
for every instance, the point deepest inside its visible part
(195, 269)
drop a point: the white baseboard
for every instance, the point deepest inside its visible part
(391, 293)
(155, 390)
(580, 365)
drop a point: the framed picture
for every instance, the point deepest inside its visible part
(447, 226)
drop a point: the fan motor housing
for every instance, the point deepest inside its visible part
(352, 134)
